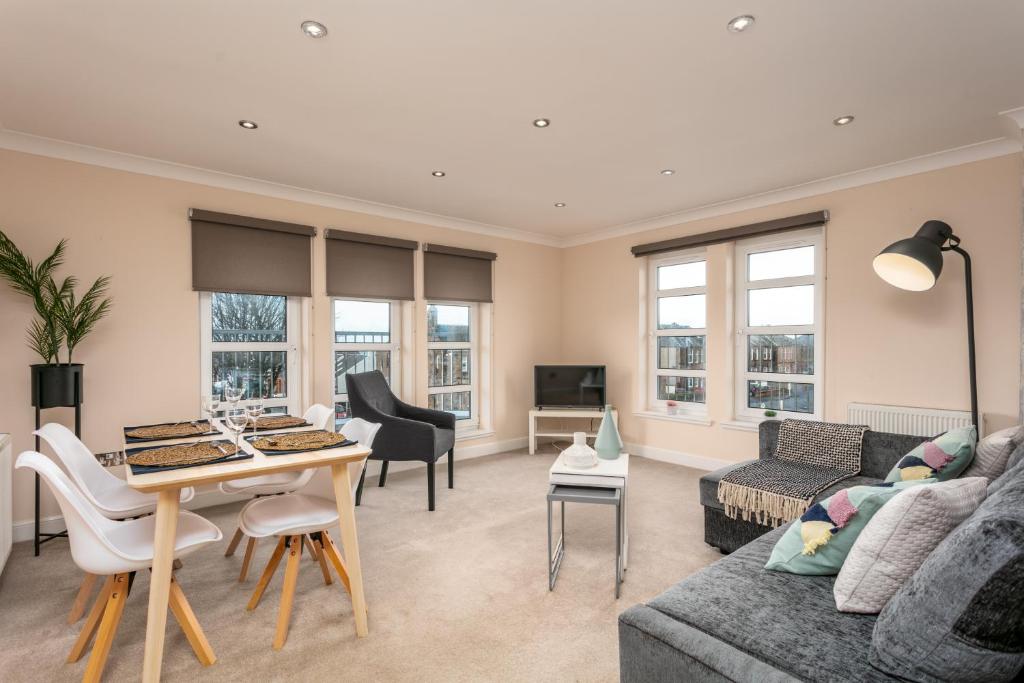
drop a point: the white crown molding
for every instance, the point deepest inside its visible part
(96, 156)
(929, 162)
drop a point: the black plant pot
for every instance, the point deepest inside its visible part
(57, 386)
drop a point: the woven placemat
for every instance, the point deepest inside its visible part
(184, 454)
(298, 441)
(173, 430)
(279, 422)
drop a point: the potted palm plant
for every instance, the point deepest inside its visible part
(62, 320)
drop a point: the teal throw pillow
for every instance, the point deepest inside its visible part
(817, 544)
(943, 458)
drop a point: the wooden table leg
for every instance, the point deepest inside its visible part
(160, 582)
(349, 542)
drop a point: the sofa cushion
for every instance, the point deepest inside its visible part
(709, 485)
(899, 538)
(943, 458)
(993, 452)
(961, 615)
(786, 620)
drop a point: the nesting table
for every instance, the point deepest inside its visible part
(603, 484)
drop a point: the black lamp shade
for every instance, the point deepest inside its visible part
(914, 263)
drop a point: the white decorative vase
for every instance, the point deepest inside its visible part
(579, 455)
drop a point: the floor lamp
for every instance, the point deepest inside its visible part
(915, 264)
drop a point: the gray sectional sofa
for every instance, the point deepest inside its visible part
(736, 621)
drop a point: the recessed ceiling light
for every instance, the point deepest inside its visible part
(668, 171)
(314, 29)
(559, 205)
(438, 174)
(542, 123)
(741, 23)
(248, 125)
(842, 120)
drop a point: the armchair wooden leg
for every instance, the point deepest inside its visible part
(235, 540)
(383, 474)
(91, 621)
(291, 574)
(451, 468)
(108, 627)
(190, 625)
(430, 486)
(359, 489)
(268, 574)
(246, 559)
(82, 599)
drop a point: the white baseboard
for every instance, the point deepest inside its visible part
(204, 499)
(699, 462)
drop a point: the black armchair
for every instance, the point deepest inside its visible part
(407, 432)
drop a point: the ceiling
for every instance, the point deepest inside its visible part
(401, 88)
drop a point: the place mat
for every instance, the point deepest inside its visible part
(168, 430)
(164, 458)
(267, 422)
(298, 442)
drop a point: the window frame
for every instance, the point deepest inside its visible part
(654, 403)
(475, 366)
(292, 403)
(743, 249)
(394, 347)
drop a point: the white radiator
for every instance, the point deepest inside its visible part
(905, 420)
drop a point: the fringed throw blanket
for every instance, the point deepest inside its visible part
(809, 457)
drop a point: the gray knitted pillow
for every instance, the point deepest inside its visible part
(992, 453)
(960, 617)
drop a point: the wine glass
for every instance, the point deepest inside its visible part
(211, 404)
(236, 422)
(232, 394)
(253, 410)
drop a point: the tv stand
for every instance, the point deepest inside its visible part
(564, 413)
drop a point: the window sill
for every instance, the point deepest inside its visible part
(752, 425)
(686, 419)
(470, 434)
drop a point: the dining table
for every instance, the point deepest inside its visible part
(167, 485)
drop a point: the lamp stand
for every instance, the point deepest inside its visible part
(954, 245)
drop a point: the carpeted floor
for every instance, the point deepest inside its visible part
(459, 594)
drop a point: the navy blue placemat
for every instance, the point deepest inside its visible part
(146, 469)
(344, 443)
(135, 439)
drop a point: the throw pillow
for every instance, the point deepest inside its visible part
(899, 538)
(943, 458)
(960, 617)
(818, 542)
(992, 453)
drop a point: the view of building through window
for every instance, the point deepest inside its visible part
(678, 333)
(450, 359)
(364, 340)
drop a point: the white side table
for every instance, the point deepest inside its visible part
(570, 484)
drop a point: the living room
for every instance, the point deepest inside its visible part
(785, 247)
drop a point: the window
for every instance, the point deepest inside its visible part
(366, 338)
(452, 361)
(678, 338)
(251, 341)
(779, 323)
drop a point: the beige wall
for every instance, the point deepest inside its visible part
(883, 345)
(142, 364)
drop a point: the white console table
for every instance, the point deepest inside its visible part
(567, 413)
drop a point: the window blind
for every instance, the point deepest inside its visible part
(453, 274)
(246, 255)
(369, 266)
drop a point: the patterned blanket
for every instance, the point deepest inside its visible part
(809, 457)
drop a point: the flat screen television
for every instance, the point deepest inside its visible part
(569, 386)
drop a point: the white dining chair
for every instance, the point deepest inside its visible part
(296, 516)
(317, 415)
(107, 493)
(116, 550)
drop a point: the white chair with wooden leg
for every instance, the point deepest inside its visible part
(317, 415)
(292, 517)
(108, 494)
(115, 550)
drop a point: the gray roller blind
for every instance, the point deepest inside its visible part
(453, 274)
(806, 220)
(369, 266)
(250, 255)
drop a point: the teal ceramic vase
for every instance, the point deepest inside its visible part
(608, 444)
